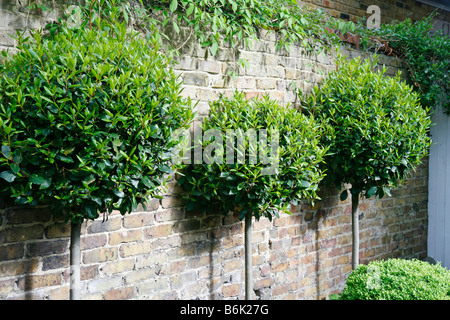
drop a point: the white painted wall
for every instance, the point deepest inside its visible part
(439, 190)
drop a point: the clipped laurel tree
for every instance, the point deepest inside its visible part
(259, 158)
(397, 279)
(86, 123)
(377, 131)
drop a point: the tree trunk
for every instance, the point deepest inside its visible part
(75, 257)
(355, 231)
(248, 258)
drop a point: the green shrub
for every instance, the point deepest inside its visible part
(425, 51)
(244, 187)
(378, 131)
(86, 120)
(398, 279)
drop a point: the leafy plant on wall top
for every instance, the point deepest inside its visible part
(425, 51)
(377, 132)
(239, 21)
(86, 121)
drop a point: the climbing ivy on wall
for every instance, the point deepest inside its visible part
(239, 21)
(426, 53)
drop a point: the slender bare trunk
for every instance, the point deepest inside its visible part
(75, 257)
(355, 231)
(248, 258)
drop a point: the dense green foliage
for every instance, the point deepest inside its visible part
(426, 52)
(86, 119)
(242, 186)
(378, 131)
(238, 21)
(398, 279)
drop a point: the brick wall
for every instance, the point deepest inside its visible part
(168, 253)
(390, 10)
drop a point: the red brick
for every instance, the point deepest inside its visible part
(6, 286)
(158, 231)
(100, 255)
(120, 294)
(169, 215)
(33, 281)
(20, 234)
(93, 241)
(18, 267)
(232, 290)
(125, 236)
(26, 215)
(263, 283)
(328, 243)
(42, 248)
(11, 252)
(137, 220)
(57, 230)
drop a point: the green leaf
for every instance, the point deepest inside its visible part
(387, 191)
(36, 179)
(175, 27)
(125, 16)
(305, 184)
(6, 151)
(344, 195)
(119, 193)
(214, 47)
(33, 53)
(190, 10)
(89, 179)
(17, 157)
(14, 167)
(242, 214)
(371, 191)
(9, 176)
(165, 169)
(224, 174)
(146, 181)
(65, 159)
(190, 205)
(46, 184)
(173, 6)
(91, 212)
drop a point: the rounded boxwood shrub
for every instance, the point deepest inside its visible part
(398, 279)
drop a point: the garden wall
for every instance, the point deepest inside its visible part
(165, 252)
(354, 10)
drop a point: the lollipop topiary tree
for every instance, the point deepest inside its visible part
(259, 157)
(87, 117)
(377, 131)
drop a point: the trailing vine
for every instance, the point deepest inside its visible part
(425, 52)
(239, 21)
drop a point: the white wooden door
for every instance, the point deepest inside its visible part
(439, 190)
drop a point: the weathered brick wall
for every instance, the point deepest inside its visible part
(15, 15)
(354, 10)
(168, 253)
